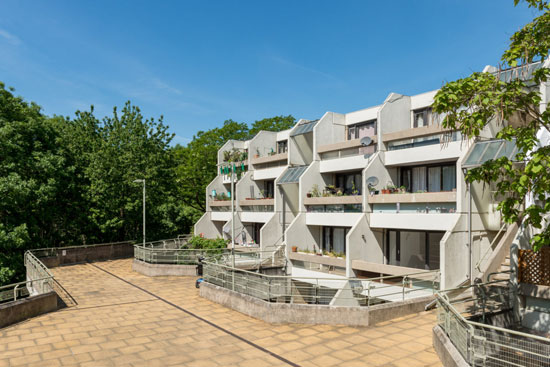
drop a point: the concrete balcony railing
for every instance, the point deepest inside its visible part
(254, 202)
(415, 132)
(220, 203)
(270, 158)
(425, 197)
(347, 144)
(334, 200)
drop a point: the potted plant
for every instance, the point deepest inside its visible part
(402, 190)
(308, 194)
(226, 155)
(294, 248)
(315, 191)
(385, 190)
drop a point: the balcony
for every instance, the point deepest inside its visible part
(425, 197)
(270, 158)
(217, 203)
(344, 156)
(257, 202)
(431, 221)
(334, 200)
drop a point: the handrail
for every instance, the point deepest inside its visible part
(24, 282)
(333, 279)
(490, 247)
(477, 340)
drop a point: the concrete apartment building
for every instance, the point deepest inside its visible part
(380, 191)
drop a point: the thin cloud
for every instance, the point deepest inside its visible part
(287, 62)
(13, 39)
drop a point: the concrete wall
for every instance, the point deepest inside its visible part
(362, 243)
(329, 130)
(394, 115)
(282, 313)
(263, 143)
(25, 308)
(81, 254)
(207, 227)
(160, 270)
(309, 178)
(302, 236)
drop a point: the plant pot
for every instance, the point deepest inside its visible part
(319, 254)
(294, 248)
(308, 194)
(385, 191)
(256, 156)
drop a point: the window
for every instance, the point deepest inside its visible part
(422, 117)
(282, 146)
(358, 131)
(349, 183)
(434, 178)
(413, 249)
(334, 239)
(268, 189)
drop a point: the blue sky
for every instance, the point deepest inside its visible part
(199, 63)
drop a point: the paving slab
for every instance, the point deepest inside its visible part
(123, 318)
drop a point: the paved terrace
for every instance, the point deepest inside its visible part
(126, 319)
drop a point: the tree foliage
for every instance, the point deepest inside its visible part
(69, 181)
(512, 99)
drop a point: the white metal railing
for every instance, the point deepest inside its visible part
(480, 344)
(329, 290)
(39, 281)
(492, 246)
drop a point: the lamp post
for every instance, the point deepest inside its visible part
(143, 181)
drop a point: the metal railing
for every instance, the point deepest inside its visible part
(176, 256)
(466, 323)
(39, 281)
(492, 246)
(330, 290)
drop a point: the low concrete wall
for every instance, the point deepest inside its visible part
(16, 311)
(281, 313)
(159, 270)
(446, 351)
(81, 254)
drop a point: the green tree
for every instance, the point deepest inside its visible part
(277, 123)
(34, 177)
(511, 99)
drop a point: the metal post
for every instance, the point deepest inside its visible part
(143, 181)
(143, 211)
(470, 233)
(233, 223)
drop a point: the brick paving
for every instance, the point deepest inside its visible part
(166, 323)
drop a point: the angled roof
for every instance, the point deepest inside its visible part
(292, 175)
(304, 127)
(484, 151)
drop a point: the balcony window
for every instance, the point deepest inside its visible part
(349, 183)
(422, 117)
(413, 249)
(334, 239)
(282, 146)
(434, 178)
(361, 130)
